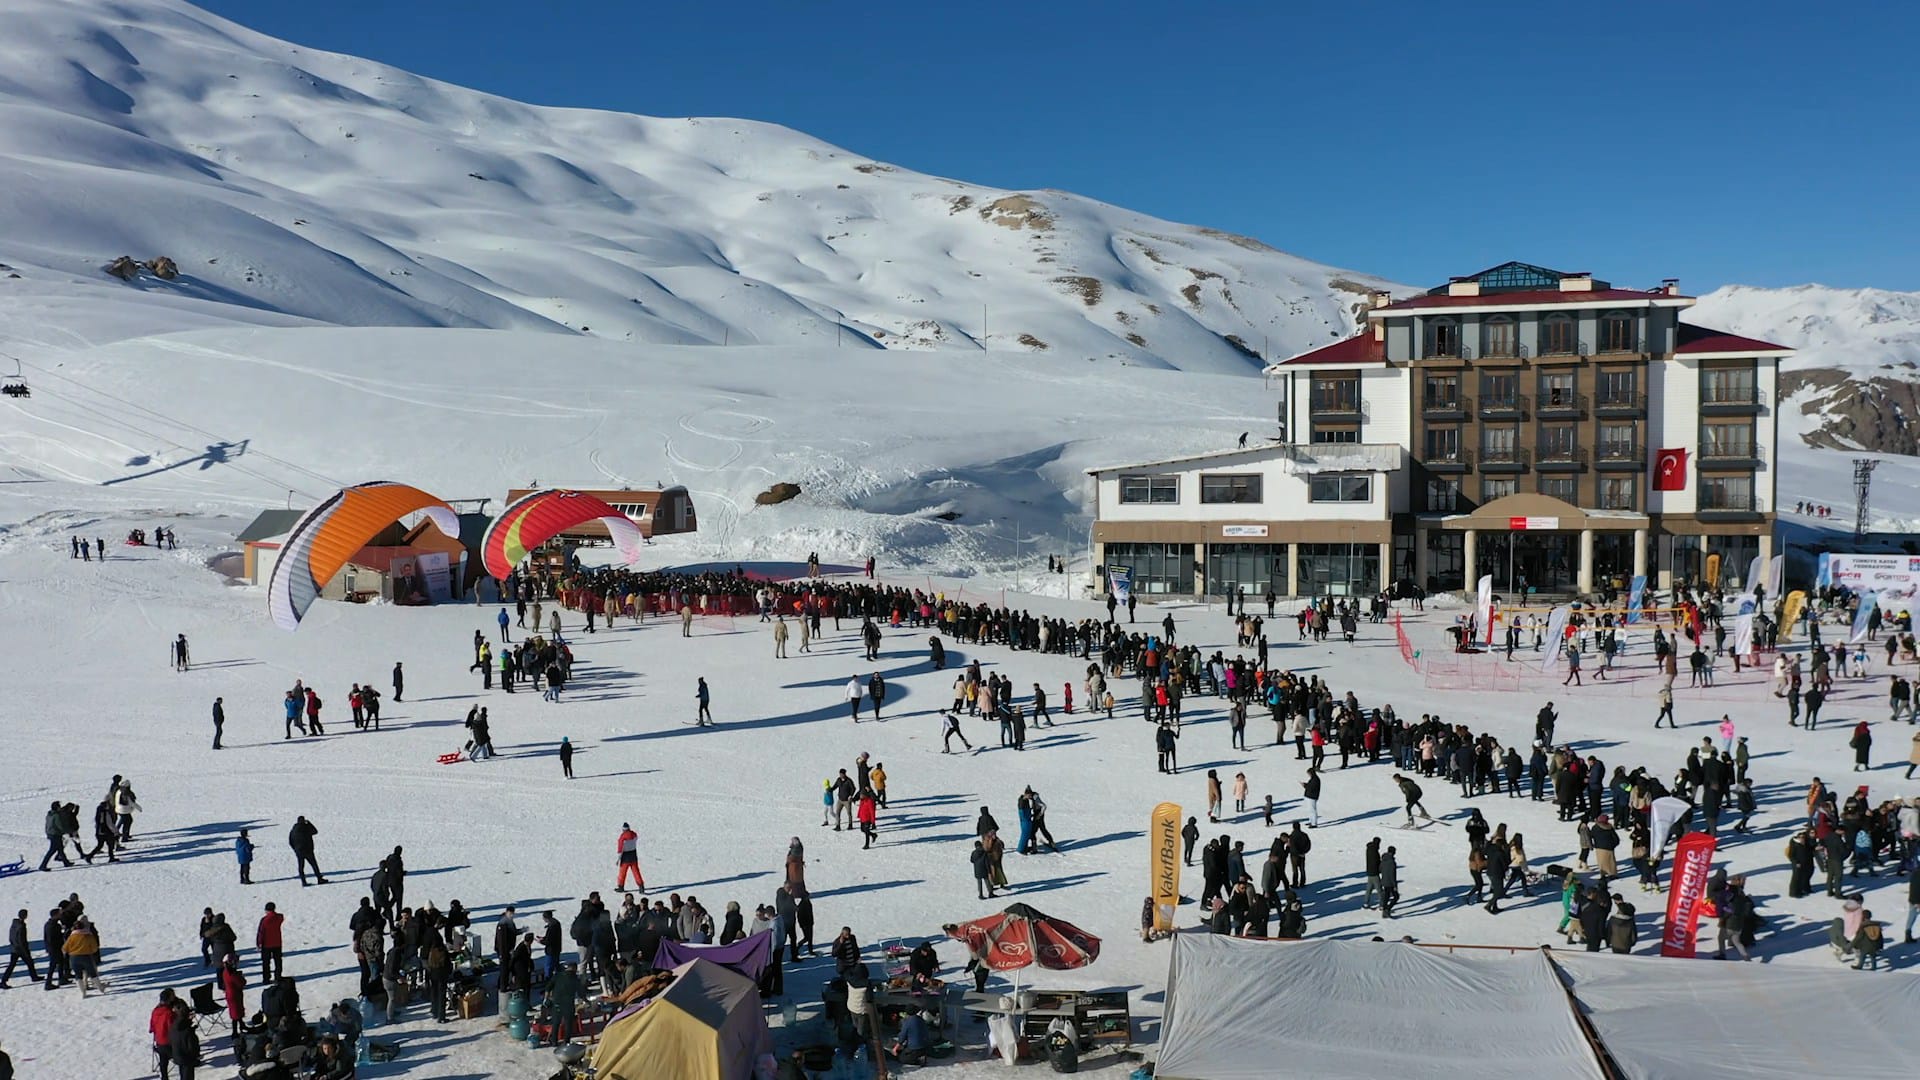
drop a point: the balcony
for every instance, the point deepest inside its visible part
(1749, 456)
(1446, 407)
(1504, 351)
(1504, 405)
(1619, 347)
(1504, 459)
(1560, 458)
(1561, 404)
(1731, 400)
(1617, 456)
(1716, 504)
(1571, 350)
(1454, 461)
(1337, 408)
(1620, 405)
(1442, 351)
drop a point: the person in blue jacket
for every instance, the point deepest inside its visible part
(243, 854)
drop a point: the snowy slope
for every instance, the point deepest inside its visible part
(292, 183)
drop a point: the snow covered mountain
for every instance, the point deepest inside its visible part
(1855, 384)
(289, 185)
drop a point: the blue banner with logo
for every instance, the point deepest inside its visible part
(1120, 582)
(1636, 595)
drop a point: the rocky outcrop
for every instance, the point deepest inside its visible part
(1880, 413)
(778, 493)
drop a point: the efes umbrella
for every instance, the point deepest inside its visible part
(1021, 936)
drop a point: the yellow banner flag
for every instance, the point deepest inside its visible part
(1796, 600)
(1713, 571)
(1164, 853)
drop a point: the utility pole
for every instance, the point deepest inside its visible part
(1862, 484)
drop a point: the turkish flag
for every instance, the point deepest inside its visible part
(1670, 471)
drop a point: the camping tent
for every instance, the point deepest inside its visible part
(706, 1026)
(1240, 1009)
(1706, 1021)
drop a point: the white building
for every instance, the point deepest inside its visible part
(1553, 431)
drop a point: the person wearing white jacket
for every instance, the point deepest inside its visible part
(855, 692)
(124, 807)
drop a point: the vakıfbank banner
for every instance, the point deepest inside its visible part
(1894, 577)
(1120, 582)
(1165, 868)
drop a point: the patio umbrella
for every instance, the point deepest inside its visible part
(1020, 936)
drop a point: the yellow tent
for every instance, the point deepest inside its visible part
(706, 1026)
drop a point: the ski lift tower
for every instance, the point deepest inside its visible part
(1862, 483)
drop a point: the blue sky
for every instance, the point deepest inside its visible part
(1758, 143)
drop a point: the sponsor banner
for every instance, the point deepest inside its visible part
(1743, 635)
(435, 573)
(1164, 853)
(1120, 582)
(1756, 574)
(1776, 574)
(1894, 577)
(1533, 524)
(1637, 596)
(1687, 894)
(1790, 614)
(1483, 609)
(1243, 530)
(1713, 570)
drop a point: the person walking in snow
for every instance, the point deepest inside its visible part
(219, 721)
(855, 694)
(629, 864)
(780, 637)
(399, 681)
(876, 690)
(180, 661)
(566, 757)
(503, 620)
(949, 729)
(243, 854)
(300, 839)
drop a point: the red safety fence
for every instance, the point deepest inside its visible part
(1407, 651)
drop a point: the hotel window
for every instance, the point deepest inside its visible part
(1556, 442)
(1149, 489)
(1727, 440)
(1726, 493)
(1556, 389)
(1499, 391)
(1619, 492)
(1616, 442)
(1230, 488)
(1727, 386)
(1618, 385)
(1335, 434)
(1443, 495)
(1442, 391)
(1497, 488)
(1340, 489)
(1556, 335)
(1336, 395)
(1443, 338)
(1443, 444)
(1560, 487)
(1616, 333)
(1500, 443)
(1501, 337)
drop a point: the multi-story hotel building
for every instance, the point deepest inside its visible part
(1543, 427)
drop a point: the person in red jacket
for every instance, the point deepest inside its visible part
(867, 812)
(234, 985)
(267, 940)
(160, 1022)
(629, 859)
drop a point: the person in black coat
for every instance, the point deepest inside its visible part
(300, 839)
(1189, 836)
(846, 951)
(399, 680)
(183, 1041)
(552, 943)
(1298, 844)
(1499, 859)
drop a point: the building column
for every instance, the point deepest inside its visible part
(1293, 569)
(1200, 569)
(1420, 570)
(1583, 578)
(1386, 565)
(1470, 556)
(1639, 552)
(1766, 561)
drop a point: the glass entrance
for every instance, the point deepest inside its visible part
(1539, 561)
(1253, 567)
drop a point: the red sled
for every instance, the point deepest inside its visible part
(451, 759)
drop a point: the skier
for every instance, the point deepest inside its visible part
(704, 718)
(1411, 792)
(219, 721)
(300, 839)
(629, 847)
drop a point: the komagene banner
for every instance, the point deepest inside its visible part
(1687, 893)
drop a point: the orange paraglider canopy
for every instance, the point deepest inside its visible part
(328, 535)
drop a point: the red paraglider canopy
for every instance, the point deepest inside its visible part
(1021, 936)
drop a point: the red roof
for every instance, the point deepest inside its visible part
(1361, 348)
(1702, 339)
(1530, 296)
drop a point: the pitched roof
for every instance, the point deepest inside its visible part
(1694, 340)
(1361, 348)
(269, 524)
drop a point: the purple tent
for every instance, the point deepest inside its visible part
(749, 956)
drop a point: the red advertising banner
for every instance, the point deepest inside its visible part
(1687, 893)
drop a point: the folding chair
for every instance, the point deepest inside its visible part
(209, 1016)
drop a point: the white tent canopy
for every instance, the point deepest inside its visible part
(1251, 1010)
(1707, 1021)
